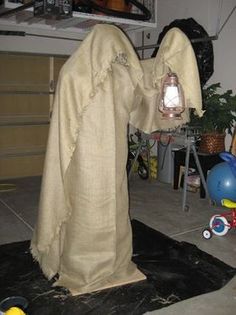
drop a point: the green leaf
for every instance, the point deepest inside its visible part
(220, 109)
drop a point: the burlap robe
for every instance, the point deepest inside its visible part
(83, 231)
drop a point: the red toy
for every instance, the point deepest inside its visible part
(220, 224)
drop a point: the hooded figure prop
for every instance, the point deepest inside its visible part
(83, 232)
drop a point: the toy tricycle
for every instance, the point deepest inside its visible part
(220, 224)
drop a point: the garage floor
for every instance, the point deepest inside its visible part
(155, 204)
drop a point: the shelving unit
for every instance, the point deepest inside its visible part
(80, 23)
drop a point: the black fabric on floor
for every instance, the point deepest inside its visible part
(175, 271)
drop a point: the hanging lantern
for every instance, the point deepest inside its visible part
(172, 98)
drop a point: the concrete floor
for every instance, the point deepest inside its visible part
(157, 205)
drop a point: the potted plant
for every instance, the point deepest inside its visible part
(219, 117)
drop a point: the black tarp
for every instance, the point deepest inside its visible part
(175, 271)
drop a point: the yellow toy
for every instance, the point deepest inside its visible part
(14, 311)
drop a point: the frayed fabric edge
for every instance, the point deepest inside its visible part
(38, 251)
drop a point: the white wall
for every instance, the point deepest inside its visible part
(37, 44)
(225, 49)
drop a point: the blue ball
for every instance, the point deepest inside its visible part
(221, 183)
